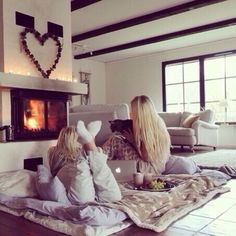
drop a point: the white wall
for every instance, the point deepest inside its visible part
(12, 154)
(97, 80)
(132, 77)
(43, 11)
(143, 75)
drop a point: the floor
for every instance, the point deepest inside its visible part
(218, 218)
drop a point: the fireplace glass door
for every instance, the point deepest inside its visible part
(56, 115)
(38, 115)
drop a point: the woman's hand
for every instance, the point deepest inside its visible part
(129, 136)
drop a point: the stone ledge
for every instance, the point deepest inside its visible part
(8, 81)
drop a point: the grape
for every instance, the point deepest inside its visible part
(156, 184)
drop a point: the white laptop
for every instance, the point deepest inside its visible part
(123, 170)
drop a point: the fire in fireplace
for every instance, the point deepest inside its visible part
(38, 115)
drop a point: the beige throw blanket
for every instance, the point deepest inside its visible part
(157, 210)
(150, 210)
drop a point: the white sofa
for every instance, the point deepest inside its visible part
(103, 112)
(203, 131)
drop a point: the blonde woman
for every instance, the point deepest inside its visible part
(81, 165)
(149, 143)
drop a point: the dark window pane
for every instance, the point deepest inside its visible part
(218, 111)
(174, 94)
(191, 71)
(192, 107)
(191, 92)
(175, 108)
(214, 90)
(230, 66)
(230, 88)
(174, 74)
(231, 110)
(214, 68)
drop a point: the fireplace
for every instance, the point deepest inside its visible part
(38, 114)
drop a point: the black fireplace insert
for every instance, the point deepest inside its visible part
(38, 115)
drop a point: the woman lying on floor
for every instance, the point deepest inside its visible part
(149, 143)
(81, 166)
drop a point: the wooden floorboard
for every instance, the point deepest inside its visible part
(11, 225)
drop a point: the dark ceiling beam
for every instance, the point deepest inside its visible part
(145, 18)
(160, 38)
(77, 4)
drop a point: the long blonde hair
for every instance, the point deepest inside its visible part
(67, 144)
(149, 129)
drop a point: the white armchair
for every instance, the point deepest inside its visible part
(203, 131)
(206, 133)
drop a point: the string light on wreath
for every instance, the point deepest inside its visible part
(41, 39)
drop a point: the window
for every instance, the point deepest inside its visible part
(204, 82)
(182, 86)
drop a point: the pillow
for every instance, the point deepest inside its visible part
(19, 183)
(184, 115)
(187, 123)
(207, 116)
(49, 187)
(181, 165)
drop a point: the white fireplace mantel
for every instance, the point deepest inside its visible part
(8, 81)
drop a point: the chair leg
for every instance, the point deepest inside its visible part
(214, 148)
(191, 148)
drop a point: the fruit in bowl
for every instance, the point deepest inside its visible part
(156, 184)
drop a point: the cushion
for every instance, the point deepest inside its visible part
(181, 165)
(49, 187)
(171, 119)
(187, 123)
(185, 114)
(207, 115)
(19, 183)
(181, 131)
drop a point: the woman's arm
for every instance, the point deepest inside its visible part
(143, 152)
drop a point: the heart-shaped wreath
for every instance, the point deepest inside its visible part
(41, 39)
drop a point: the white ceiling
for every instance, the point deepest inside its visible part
(107, 12)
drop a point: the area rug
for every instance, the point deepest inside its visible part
(216, 158)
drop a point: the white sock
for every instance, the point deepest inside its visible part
(94, 127)
(83, 134)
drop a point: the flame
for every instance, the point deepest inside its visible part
(31, 123)
(34, 115)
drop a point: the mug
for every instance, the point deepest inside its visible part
(138, 179)
(148, 177)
